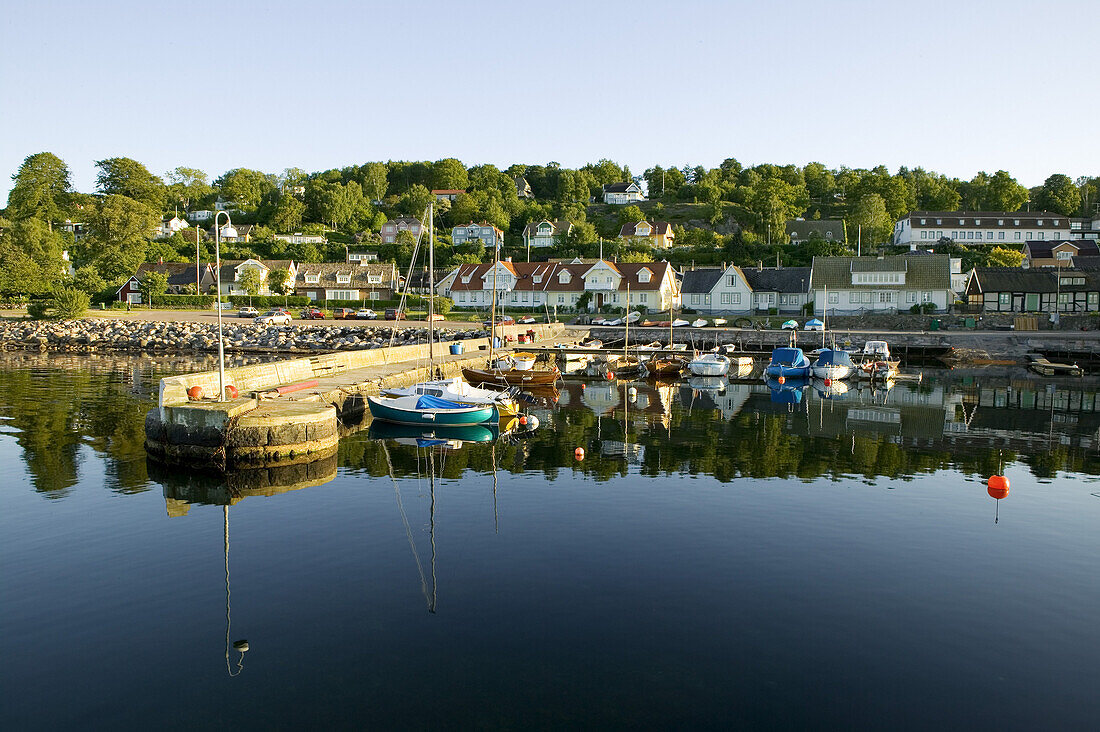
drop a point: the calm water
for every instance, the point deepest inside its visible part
(719, 558)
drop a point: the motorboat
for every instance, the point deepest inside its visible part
(654, 346)
(878, 370)
(679, 323)
(709, 364)
(700, 323)
(451, 437)
(742, 366)
(425, 409)
(833, 364)
(788, 363)
(633, 317)
(719, 322)
(457, 390)
(789, 392)
(876, 350)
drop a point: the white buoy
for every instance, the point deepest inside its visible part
(632, 393)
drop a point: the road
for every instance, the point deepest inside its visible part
(230, 316)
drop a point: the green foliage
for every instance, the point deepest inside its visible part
(152, 284)
(88, 280)
(119, 229)
(188, 186)
(443, 305)
(70, 304)
(870, 213)
(250, 281)
(129, 178)
(1059, 194)
(41, 189)
(246, 188)
(414, 201)
(278, 280)
(449, 174)
(1002, 257)
(630, 215)
(288, 214)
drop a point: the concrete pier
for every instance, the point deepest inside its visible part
(259, 428)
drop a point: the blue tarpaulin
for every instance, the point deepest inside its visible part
(428, 401)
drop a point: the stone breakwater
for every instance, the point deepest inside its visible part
(94, 334)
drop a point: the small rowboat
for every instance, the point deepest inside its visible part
(429, 410)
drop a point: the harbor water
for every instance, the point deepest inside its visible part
(723, 555)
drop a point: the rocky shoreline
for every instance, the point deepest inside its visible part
(94, 334)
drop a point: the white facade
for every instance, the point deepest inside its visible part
(631, 193)
(488, 234)
(202, 215)
(980, 227)
(171, 226)
(298, 238)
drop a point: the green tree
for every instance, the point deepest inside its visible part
(152, 283)
(869, 213)
(773, 201)
(630, 215)
(34, 237)
(1004, 193)
(127, 177)
(449, 174)
(188, 185)
(87, 279)
(70, 304)
(1059, 195)
(288, 214)
(820, 183)
(374, 181)
(278, 280)
(1002, 257)
(246, 188)
(119, 231)
(250, 281)
(40, 189)
(415, 200)
(20, 275)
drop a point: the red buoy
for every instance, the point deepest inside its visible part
(194, 393)
(782, 379)
(998, 486)
(579, 453)
(231, 391)
(610, 375)
(828, 382)
(523, 419)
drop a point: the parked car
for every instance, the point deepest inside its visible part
(394, 314)
(273, 317)
(312, 314)
(247, 312)
(342, 313)
(501, 320)
(365, 314)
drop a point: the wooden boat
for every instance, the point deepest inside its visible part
(1043, 366)
(428, 410)
(878, 370)
(719, 322)
(666, 365)
(625, 365)
(789, 363)
(514, 377)
(709, 364)
(742, 366)
(434, 435)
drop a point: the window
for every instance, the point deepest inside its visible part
(1017, 237)
(834, 298)
(962, 222)
(922, 222)
(939, 222)
(343, 295)
(1000, 222)
(1041, 234)
(853, 297)
(1040, 222)
(1064, 255)
(725, 298)
(374, 279)
(1000, 235)
(1005, 298)
(1055, 222)
(865, 297)
(989, 235)
(313, 279)
(954, 235)
(643, 275)
(645, 297)
(1016, 222)
(561, 298)
(731, 281)
(970, 235)
(1094, 298)
(926, 297)
(910, 297)
(735, 298)
(695, 299)
(924, 235)
(462, 297)
(564, 278)
(537, 279)
(977, 222)
(706, 299)
(1028, 236)
(782, 299)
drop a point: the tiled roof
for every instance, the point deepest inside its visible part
(770, 279)
(549, 274)
(327, 272)
(924, 272)
(179, 273)
(557, 227)
(1045, 249)
(701, 280)
(1012, 279)
(658, 228)
(229, 266)
(987, 219)
(617, 187)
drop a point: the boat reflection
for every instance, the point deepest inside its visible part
(451, 437)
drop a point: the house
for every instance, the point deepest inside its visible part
(655, 233)
(545, 233)
(783, 289)
(523, 188)
(851, 285)
(167, 227)
(447, 194)
(201, 215)
(1085, 227)
(77, 229)
(300, 238)
(973, 227)
(488, 234)
(347, 281)
(800, 230)
(418, 281)
(619, 193)
(181, 278)
(716, 290)
(232, 271)
(391, 229)
(361, 257)
(1040, 289)
(241, 233)
(1058, 253)
(598, 283)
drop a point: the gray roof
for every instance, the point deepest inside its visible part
(987, 219)
(617, 187)
(1011, 279)
(922, 272)
(1045, 249)
(805, 228)
(229, 266)
(359, 273)
(785, 279)
(701, 280)
(557, 227)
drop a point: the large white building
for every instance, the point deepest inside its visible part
(853, 285)
(1007, 228)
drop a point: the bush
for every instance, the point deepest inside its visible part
(65, 304)
(915, 310)
(39, 309)
(928, 308)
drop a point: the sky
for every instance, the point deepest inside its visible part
(955, 87)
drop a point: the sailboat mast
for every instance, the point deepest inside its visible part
(431, 287)
(493, 305)
(626, 333)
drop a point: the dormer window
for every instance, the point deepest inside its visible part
(343, 279)
(1016, 222)
(644, 275)
(1055, 222)
(536, 278)
(1000, 222)
(962, 221)
(564, 278)
(313, 279)
(1040, 222)
(466, 278)
(977, 222)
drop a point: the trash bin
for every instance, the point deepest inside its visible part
(456, 349)
(969, 323)
(102, 306)
(935, 324)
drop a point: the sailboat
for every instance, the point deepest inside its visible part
(513, 370)
(667, 365)
(626, 364)
(427, 409)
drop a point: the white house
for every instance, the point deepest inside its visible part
(850, 285)
(1011, 228)
(486, 233)
(170, 226)
(300, 238)
(201, 215)
(545, 233)
(619, 193)
(716, 290)
(232, 272)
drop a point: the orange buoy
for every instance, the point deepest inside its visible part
(998, 482)
(194, 393)
(583, 387)
(231, 391)
(782, 379)
(610, 375)
(579, 453)
(523, 419)
(828, 382)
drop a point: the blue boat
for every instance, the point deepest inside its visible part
(833, 364)
(790, 363)
(429, 410)
(789, 392)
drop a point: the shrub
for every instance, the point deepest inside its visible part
(39, 309)
(915, 310)
(70, 303)
(928, 308)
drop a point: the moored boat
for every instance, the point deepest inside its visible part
(788, 363)
(457, 390)
(666, 365)
(709, 364)
(426, 409)
(833, 364)
(515, 377)
(699, 323)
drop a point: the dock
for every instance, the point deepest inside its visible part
(262, 427)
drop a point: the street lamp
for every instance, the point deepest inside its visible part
(218, 301)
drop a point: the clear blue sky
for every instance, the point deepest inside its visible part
(955, 87)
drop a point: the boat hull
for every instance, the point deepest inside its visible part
(512, 377)
(833, 372)
(390, 410)
(787, 372)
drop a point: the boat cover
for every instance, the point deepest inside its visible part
(789, 357)
(830, 357)
(427, 401)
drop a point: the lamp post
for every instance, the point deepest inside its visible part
(218, 301)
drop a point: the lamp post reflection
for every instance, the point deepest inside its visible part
(241, 646)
